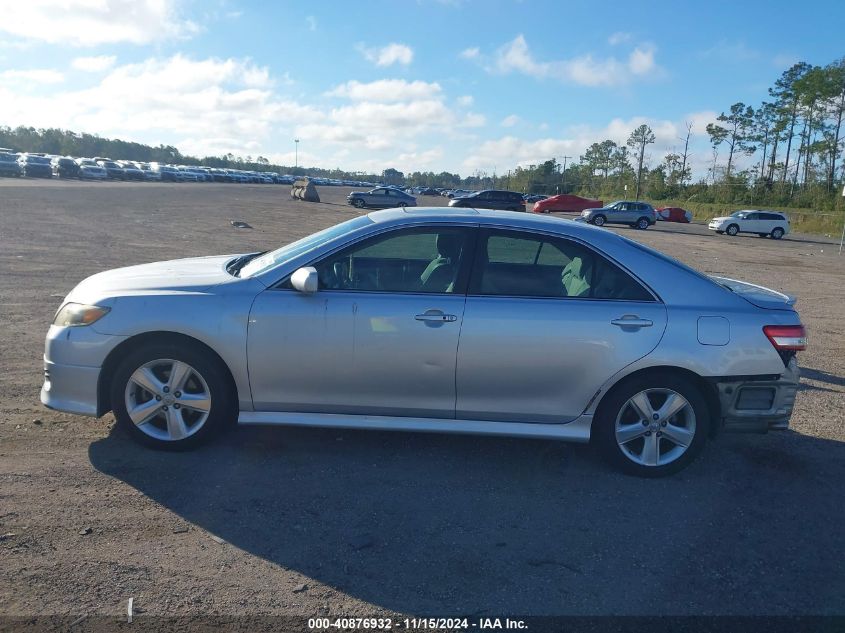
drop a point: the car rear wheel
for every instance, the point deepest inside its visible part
(652, 425)
(732, 230)
(402, 205)
(643, 224)
(599, 220)
(172, 397)
(358, 203)
(777, 233)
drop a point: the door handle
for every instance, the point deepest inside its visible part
(436, 316)
(631, 321)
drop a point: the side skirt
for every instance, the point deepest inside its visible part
(576, 431)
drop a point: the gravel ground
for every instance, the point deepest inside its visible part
(326, 522)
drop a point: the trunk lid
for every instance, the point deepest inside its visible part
(760, 296)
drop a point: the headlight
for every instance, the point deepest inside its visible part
(76, 314)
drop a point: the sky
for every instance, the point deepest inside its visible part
(456, 85)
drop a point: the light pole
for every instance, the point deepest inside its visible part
(296, 152)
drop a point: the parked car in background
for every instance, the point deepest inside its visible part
(428, 191)
(639, 215)
(461, 322)
(167, 173)
(131, 171)
(64, 167)
(9, 165)
(764, 223)
(113, 170)
(90, 170)
(533, 197)
(491, 199)
(149, 173)
(674, 214)
(35, 166)
(381, 198)
(566, 202)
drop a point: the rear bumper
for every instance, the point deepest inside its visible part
(758, 406)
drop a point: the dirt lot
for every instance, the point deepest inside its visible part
(322, 522)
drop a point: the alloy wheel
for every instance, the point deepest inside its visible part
(167, 399)
(655, 427)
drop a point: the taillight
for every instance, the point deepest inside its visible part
(787, 337)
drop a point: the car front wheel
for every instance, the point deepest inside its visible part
(652, 425)
(732, 230)
(172, 397)
(358, 203)
(777, 233)
(599, 220)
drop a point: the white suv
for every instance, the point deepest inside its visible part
(762, 223)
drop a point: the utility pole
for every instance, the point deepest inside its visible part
(296, 152)
(563, 173)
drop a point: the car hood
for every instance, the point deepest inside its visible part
(723, 218)
(195, 274)
(760, 296)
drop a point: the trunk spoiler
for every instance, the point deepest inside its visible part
(760, 296)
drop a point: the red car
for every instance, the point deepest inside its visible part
(673, 214)
(566, 202)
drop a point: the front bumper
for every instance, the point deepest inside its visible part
(72, 361)
(755, 406)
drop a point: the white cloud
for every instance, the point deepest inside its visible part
(515, 56)
(386, 90)
(510, 121)
(39, 76)
(470, 53)
(94, 64)
(206, 107)
(95, 22)
(388, 55)
(512, 150)
(619, 37)
(311, 21)
(465, 100)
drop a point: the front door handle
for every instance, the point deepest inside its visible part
(631, 321)
(436, 316)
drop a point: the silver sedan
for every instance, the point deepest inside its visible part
(456, 320)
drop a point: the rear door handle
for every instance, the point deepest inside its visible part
(436, 316)
(631, 321)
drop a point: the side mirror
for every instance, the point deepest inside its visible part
(305, 280)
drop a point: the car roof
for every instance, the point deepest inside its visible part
(508, 219)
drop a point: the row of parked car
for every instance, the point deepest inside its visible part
(36, 165)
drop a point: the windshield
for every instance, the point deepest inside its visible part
(274, 258)
(739, 214)
(614, 203)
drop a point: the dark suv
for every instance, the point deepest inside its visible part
(64, 167)
(491, 199)
(9, 165)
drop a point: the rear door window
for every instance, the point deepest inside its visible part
(515, 263)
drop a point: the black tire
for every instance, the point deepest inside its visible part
(777, 233)
(358, 203)
(614, 405)
(599, 220)
(732, 230)
(402, 205)
(223, 409)
(643, 223)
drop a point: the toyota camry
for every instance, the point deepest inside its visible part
(445, 320)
